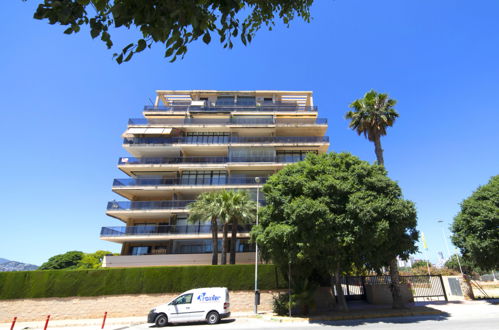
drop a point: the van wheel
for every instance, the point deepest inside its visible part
(212, 318)
(161, 320)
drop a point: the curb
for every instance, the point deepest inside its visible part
(353, 317)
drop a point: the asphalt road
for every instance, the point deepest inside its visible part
(457, 316)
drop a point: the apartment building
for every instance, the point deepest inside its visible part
(190, 142)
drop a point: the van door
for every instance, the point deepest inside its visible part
(181, 311)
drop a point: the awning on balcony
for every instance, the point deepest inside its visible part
(150, 130)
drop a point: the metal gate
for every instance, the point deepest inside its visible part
(423, 287)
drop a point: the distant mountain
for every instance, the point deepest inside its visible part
(13, 266)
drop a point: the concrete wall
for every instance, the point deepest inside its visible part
(116, 306)
(382, 294)
(171, 260)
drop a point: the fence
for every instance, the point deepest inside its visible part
(423, 287)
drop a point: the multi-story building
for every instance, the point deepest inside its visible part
(195, 141)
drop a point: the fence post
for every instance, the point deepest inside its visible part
(13, 323)
(46, 322)
(348, 286)
(104, 320)
(443, 287)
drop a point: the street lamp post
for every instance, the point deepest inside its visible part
(445, 239)
(257, 298)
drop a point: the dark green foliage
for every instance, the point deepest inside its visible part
(171, 22)
(476, 227)
(334, 213)
(421, 263)
(68, 283)
(68, 260)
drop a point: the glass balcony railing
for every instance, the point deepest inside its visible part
(165, 230)
(209, 181)
(148, 205)
(226, 140)
(226, 121)
(151, 205)
(212, 160)
(271, 107)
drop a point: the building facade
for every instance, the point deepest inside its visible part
(190, 142)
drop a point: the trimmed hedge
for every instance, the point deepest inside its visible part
(98, 282)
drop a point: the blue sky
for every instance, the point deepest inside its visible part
(65, 103)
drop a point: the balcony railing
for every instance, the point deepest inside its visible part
(277, 107)
(151, 205)
(148, 205)
(226, 121)
(226, 139)
(211, 160)
(147, 230)
(210, 181)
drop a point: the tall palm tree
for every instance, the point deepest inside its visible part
(371, 116)
(237, 208)
(208, 205)
(242, 211)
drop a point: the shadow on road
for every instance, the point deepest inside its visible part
(394, 320)
(224, 321)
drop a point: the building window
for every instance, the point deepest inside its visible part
(140, 250)
(204, 177)
(291, 156)
(225, 100)
(208, 137)
(246, 100)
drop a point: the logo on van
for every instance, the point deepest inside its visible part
(204, 298)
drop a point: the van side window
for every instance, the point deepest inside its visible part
(184, 299)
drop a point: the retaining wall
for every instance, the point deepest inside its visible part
(116, 306)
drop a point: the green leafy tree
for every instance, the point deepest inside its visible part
(421, 263)
(476, 227)
(208, 206)
(466, 265)
(93, 260)
(371, 116)
(68, 260)
(333, 214)
(173, 23)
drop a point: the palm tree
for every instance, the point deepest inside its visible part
(371, 116)
(208, 205)
(237, 208)
(242, 211)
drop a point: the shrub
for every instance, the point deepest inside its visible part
(97, 282)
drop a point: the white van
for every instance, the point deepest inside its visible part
(206, 304)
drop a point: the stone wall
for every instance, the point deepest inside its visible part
(116, 306)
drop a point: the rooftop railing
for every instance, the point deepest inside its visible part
(212, 160)
(151, 230)
(188, 181)
(226, 139)
(226, 121)
(273, 107)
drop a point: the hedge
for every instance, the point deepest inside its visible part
(98, 282)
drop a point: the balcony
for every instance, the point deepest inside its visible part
(216, 140)
(211, 181)
(210, 160)
(271, 107)
(167, 230)
(148, 205)
(153, 233)
(148, 210)
(226, 121)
